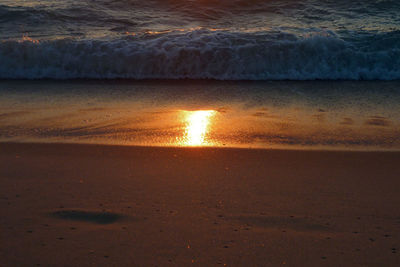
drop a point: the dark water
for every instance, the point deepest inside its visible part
(200, 39)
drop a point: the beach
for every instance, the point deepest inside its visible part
(94, 205)
(204, 133)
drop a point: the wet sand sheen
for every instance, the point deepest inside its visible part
(295, 115)
(117, 205)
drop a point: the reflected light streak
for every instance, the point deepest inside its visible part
(197, 126)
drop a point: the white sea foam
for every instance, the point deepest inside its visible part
(205, 54)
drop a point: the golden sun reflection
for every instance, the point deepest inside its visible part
(197, 127)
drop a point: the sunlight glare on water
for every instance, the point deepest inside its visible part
(197, 127)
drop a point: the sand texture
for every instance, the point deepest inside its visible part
(89, 205)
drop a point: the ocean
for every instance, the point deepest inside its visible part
(239, 73)
(200, 39)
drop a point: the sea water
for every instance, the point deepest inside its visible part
(236, 73)
(200, 39)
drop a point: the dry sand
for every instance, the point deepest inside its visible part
(87, 205)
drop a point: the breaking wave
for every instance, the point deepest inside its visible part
(205, 54)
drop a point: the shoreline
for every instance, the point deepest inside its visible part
(313, 115)
(288, 148)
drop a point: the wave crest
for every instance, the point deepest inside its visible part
(205, 54)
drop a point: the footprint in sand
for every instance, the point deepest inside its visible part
(87, 216)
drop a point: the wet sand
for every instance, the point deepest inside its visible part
(92, 205)
(320, 115)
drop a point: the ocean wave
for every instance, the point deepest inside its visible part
(205, 54)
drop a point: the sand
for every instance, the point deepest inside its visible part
(92, 205)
